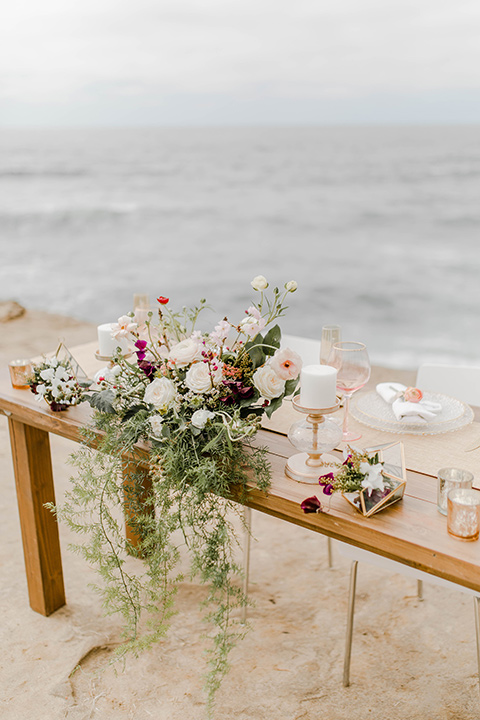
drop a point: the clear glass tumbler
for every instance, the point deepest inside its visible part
(451, 479)
(141, 308)
(331, 334)
(463, 514)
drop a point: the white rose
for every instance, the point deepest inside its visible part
(291, 286)
(259, 283)
(185, 352)
(200, 417)
(156, 423)
(267, 382)
(160, 393)
(199, 377)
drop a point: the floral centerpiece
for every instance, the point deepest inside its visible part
(188, 403)
(369, 480)
(54, 381)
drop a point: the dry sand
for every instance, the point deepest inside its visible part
(411, 660)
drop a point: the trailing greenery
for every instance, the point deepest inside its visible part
(171, 450)
(189, 505)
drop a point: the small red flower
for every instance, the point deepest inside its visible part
(162, 300)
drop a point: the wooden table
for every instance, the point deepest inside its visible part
(411, 531)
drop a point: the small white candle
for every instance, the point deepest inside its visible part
(107, 344)
(318, 384)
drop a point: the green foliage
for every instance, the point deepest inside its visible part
(271, 341)
(102, 401)
(255, 350)
(184, 502)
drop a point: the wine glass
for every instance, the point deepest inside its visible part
(353, 372)
(331, 334)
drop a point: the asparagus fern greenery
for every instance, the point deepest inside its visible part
(171, 448)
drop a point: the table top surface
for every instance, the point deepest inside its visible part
(411, 531)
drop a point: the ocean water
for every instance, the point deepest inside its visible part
(380, 227)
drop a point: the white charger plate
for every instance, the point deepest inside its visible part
(371, 410)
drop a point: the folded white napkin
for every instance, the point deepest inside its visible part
(413, 413)
(390, 391)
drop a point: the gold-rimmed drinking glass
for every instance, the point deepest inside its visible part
(353, 372)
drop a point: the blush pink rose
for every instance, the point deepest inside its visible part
(413, 394)
(286, 363)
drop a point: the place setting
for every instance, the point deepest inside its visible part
(395, 408)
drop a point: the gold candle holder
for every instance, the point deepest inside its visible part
(315, 436)
(463, 513)
(20, 370)
(111, 359)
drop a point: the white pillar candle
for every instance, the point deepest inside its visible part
(107, 344)
(318, 385)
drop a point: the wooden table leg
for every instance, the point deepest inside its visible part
(32, 466)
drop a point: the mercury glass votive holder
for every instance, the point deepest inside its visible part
(20, 370)
(451, 479)
(463, 513)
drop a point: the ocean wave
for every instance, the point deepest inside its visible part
(63, 173)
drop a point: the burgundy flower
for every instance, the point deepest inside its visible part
(141, 345)
(311, 505)
(147, 368)
(325, 479)
(58, 407)
(237, 390)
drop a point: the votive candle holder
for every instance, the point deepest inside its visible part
(20, 370)
(463, 514)
(451, 479)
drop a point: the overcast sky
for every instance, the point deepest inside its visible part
(180, 62)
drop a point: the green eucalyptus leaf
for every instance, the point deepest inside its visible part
(274, 405)
(256, 353)
(290, 386)
(132, 411)
(102, 401)
(272, 339)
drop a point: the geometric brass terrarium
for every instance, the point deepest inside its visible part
(394, 475)
(64, 354)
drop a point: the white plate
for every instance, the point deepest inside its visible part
(371, 410)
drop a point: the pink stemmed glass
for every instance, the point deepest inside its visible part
(353, 372)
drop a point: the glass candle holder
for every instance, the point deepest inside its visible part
(451, 479)
(20, 370)
(315, 436)
(463, 514)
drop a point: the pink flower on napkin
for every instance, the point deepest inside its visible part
(413, 394)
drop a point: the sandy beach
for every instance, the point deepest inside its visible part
(411, 660)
